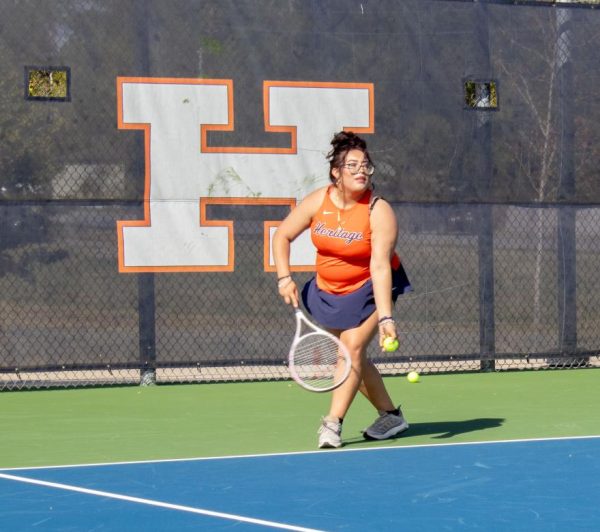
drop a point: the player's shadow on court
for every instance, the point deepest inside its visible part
(443, 429)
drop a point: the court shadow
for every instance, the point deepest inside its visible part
(441, 430)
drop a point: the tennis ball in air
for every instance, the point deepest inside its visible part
(390, 344)
(413, 376)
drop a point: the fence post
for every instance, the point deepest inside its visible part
(567, 281)
(485, 241)
(566, 227)
(146, 295)
(485, 246)
(147, 328)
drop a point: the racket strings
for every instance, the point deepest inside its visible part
(316, 360)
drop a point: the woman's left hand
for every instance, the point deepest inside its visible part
(387, 329)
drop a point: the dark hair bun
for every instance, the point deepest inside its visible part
(342, 143)
(346, 141)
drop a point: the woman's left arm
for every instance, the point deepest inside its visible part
(384, 233)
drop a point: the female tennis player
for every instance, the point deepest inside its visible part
(358, 278)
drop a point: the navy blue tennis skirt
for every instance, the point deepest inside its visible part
(349, 310)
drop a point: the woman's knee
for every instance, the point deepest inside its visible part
(356, 349)
(357, 340)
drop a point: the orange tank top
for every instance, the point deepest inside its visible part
(343, 242)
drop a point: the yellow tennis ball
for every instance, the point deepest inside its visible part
(413, 376)
(390, 344)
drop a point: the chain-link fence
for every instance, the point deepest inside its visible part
(499, 210)
(68, 318)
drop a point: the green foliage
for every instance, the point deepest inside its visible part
(214, 46)
(48, 83)
(481, 94)
(227, 181)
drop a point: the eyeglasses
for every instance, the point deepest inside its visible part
(365, 167)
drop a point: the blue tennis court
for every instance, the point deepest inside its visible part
(551, 484)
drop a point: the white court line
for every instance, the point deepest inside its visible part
(301, 453)
(159, 504)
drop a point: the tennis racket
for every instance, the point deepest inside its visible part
(318, 361)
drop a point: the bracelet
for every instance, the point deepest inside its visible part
(282, 278)
(385, 319)
(280, 285)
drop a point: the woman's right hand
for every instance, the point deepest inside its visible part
(289, 292)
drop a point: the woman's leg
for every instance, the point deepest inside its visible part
(373, 388)
(364, 375)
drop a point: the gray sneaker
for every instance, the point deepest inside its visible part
(386, 426)
(330, 433)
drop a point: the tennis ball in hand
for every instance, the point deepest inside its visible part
(390, 344)
(413, 376)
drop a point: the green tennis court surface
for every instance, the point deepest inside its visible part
(147, 423)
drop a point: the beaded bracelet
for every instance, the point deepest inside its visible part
(385, 318)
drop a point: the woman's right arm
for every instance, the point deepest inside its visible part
(295, 223)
